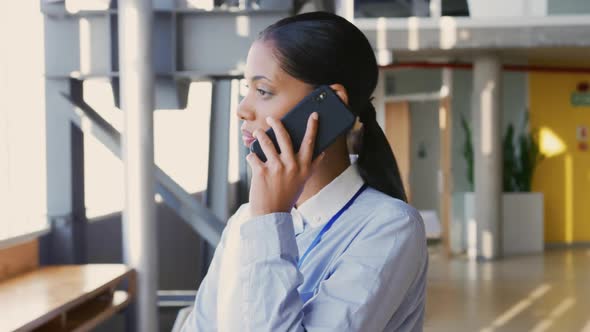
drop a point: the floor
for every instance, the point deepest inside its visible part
(549, 292)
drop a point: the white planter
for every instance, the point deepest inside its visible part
(507, 8)
(522, 226)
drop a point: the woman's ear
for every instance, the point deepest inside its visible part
(341, 92)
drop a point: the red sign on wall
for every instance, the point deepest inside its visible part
(582, 137)
(582, 134)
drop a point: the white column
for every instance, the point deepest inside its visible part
(345, 8)
(379, 101)
(487, 146)
(445, 174)
(137, 102)
(435, 8)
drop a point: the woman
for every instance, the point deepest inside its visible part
(322, 245)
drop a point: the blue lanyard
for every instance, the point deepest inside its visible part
(317, 239)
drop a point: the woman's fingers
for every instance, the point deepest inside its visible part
(266, 144)
(283, 138)
(255, 163)
(308, 144)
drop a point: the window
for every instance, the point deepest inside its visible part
(22, 122)
(181, 147)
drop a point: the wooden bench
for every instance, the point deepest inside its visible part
(64, 298)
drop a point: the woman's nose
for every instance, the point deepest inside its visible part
(244, 111)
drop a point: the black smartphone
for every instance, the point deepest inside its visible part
(334, 117)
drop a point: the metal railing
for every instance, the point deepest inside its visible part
(200, 218)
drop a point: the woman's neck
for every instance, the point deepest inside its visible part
(334, 163)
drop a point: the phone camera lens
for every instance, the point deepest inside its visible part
(322, 96)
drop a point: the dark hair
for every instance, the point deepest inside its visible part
(321, 48)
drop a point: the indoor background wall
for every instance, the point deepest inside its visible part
(424, 124)
(563, 177)
(557, 7)
(424, 143)
(425, 157)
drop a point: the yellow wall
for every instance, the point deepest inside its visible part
(564, 177)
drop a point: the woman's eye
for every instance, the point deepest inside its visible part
(262, 92)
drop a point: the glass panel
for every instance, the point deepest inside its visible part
(181, 147)
(407, 8)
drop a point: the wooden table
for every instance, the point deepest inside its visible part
(64, 298)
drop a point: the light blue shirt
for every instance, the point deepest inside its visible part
(368, 272)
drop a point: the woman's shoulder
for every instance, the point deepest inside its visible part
(386, 213)
(243, 211)
(235, 220)
(390, 232)
(386, 204)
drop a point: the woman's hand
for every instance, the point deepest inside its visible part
(277, 183)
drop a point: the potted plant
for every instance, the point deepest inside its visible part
(522, 210)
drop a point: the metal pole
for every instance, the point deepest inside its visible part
(487, 148)
(139, 217)
(217, 184)
(55, 248)
(217, 195)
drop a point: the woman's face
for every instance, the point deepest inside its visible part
(271, 91)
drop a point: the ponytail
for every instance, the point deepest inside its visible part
(376, 161)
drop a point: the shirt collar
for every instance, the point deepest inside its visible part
(322, 206)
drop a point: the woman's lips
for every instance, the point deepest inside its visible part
(247, 138)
